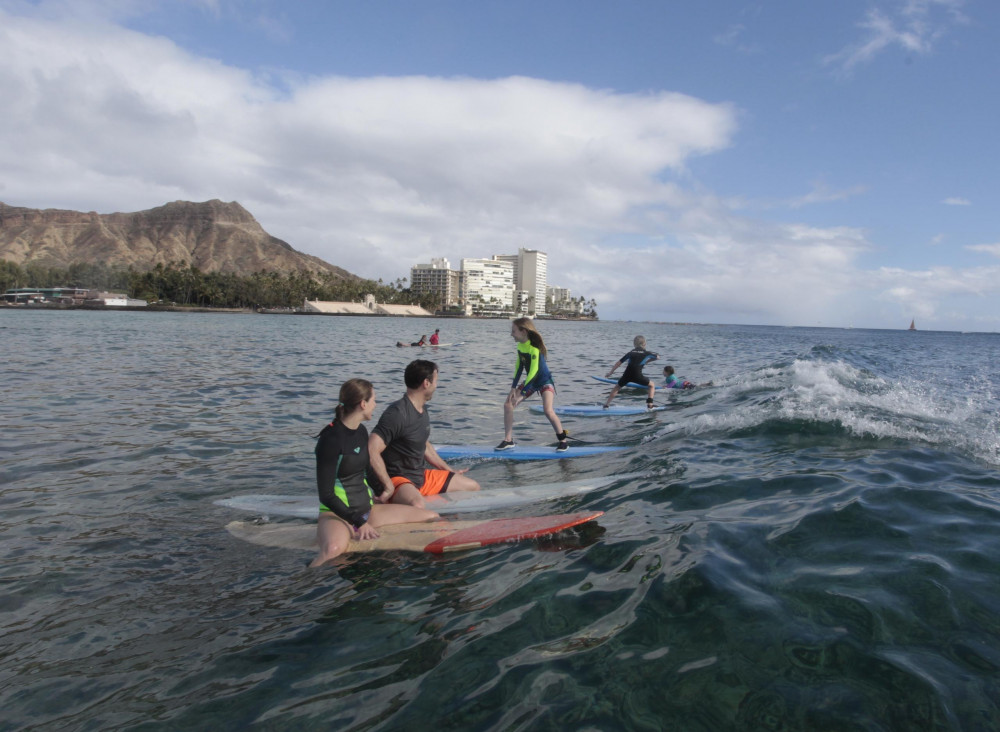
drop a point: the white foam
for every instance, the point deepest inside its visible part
(862, 402)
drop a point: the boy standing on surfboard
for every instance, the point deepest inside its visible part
(636, 359)
(400, 450)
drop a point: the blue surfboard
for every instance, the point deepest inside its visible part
(630, 384)
(520, 452)
(598, 411)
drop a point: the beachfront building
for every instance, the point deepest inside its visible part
(68, 296)
(366, 307)
(437, 279)
(531, 273)
(559, 301)
(487, 286)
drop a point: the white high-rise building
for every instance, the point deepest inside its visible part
(437, 278)
(531, 274)
(487, 286)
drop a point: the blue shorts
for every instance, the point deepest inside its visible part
(547, 386)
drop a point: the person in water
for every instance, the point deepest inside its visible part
(673, 382)
(634, 360)
(346, 502)
(404, 462)
(531, 355)
(422, 342)
(434, 338)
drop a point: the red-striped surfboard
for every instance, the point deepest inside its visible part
(435, 537)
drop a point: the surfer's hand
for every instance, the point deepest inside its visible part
(366, 531)
(386, 495)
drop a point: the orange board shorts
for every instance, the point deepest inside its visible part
(435, 481)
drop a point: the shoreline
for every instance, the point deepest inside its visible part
(271, 311)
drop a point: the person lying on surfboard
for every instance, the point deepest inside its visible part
(403, 460)
(634, 360)
(673, 382)
(422, 342)
(530, 361)
(346, 503)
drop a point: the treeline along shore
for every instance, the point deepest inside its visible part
(187, 285)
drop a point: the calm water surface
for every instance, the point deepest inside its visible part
(814, 543)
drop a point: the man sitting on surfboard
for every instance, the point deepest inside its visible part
(400, 450)
(635, 360)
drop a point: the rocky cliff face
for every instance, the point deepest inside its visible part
(213, 236)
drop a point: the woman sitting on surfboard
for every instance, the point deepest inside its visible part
(347, 506)
(422, 342)
(634, 360)
(530, 361)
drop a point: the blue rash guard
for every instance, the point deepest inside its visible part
(634, 360)
(673, 382)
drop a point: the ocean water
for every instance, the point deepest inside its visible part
(813, 543)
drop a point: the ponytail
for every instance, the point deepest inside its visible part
(352, 393)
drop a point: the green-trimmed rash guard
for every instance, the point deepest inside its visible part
(341, 464)
(531, 362)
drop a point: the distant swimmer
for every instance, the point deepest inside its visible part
(634, 360)
(421, 343)
(434, 338)
(537, 378)
(346, 502)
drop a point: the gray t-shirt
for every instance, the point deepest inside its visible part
(405, 432)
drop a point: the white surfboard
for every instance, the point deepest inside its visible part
(307, 506)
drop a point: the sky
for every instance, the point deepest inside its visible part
(824, 163)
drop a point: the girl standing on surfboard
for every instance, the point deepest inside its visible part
(537, 378)
(347, 506)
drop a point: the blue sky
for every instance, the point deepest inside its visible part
(791, 163)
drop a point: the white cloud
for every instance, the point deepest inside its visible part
(358, 171)
(993, 249)
(925, 292)
(820, 193)
(957, 202)
(376, 174)
(913, 26)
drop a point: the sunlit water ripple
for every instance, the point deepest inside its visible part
(813, 543)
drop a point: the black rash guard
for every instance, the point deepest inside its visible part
(634, 360)
(341, 464)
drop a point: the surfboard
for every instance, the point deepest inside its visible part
(435, 537)
(307, 506)
(630, 384)
(521, 452)
(598, 411)
(634, 385)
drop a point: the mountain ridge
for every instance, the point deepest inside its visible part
(213, 236)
